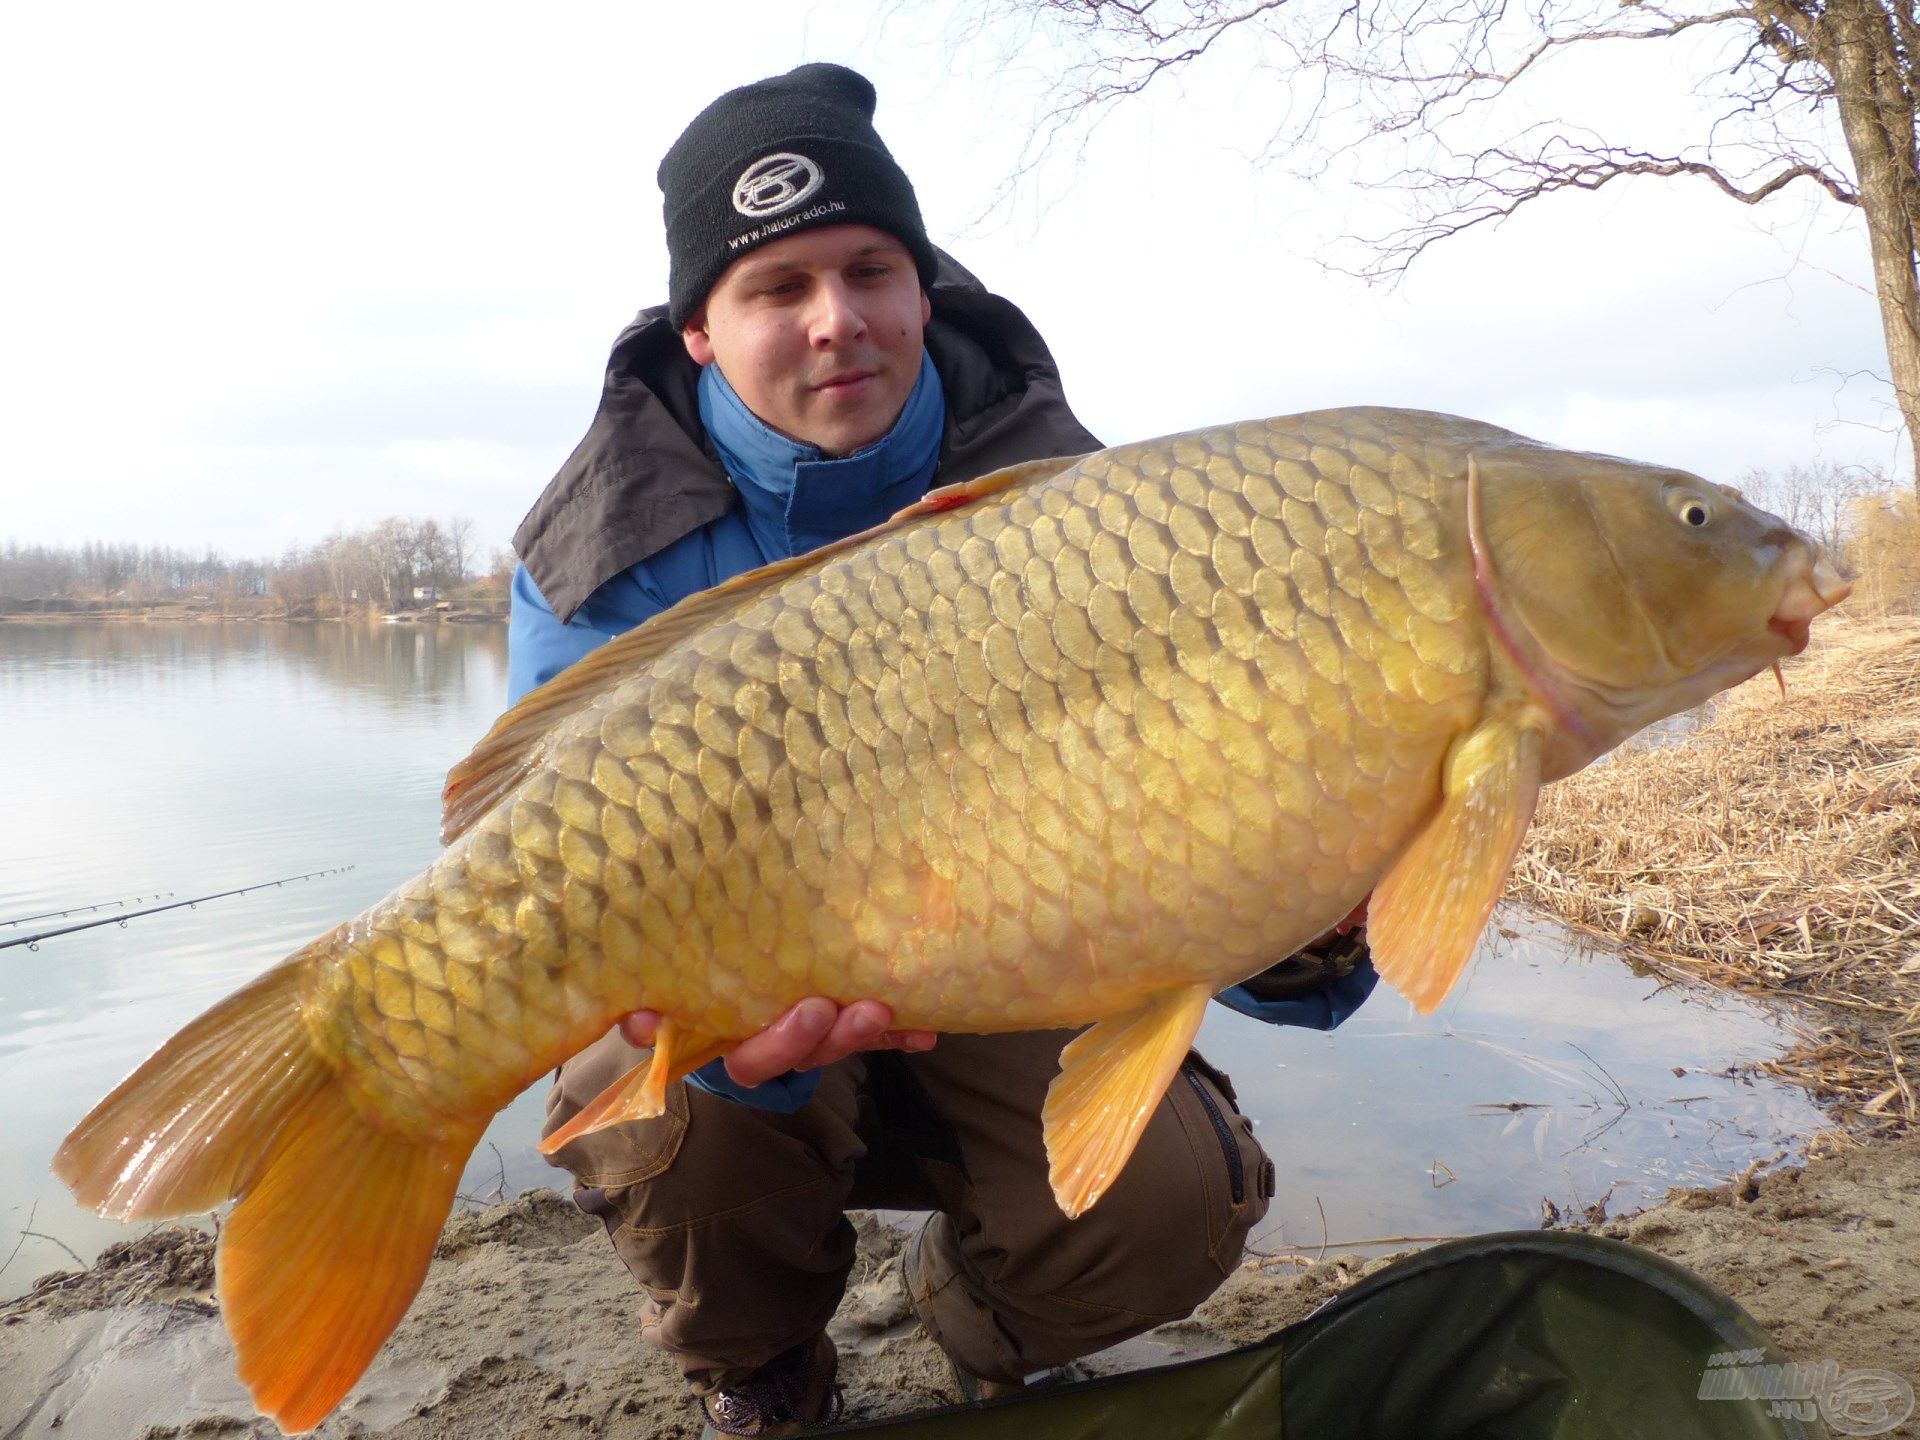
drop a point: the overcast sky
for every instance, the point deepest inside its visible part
(272, 272)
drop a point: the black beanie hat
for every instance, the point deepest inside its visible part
(774, 158)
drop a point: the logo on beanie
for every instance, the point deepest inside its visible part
(775, 183)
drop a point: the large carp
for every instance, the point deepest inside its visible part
(1082, 742)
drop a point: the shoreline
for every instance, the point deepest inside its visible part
(526, 1322)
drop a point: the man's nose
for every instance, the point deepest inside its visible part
(836, 317)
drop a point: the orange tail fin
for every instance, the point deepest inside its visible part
(337, 1216)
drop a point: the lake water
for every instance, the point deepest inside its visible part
(186, 759)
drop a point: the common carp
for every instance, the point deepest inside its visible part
(1079, 743)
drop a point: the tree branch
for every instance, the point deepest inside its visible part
(1500, 181)
(1429, 75)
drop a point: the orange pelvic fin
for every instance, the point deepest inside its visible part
(1426, 915)
(1111, 1079)
(337, 1216)
(641, 1093)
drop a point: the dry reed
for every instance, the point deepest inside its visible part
(1776, 850)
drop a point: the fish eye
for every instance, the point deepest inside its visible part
(1690, 507)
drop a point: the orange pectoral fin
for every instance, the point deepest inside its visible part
(1426, 915)
(1111, 1079)
(641, 1093)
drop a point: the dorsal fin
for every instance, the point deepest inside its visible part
(952, 497)
(512, 747)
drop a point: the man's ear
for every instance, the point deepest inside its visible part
(926, 308)
(694, 336)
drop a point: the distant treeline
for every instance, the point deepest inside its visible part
(391, 565)
(1866, 522)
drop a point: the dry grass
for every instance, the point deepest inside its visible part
(1776, 850)
(1882, 554)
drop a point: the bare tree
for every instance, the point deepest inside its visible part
(432, 556)
(109, 566)
(349, 567)
(34, 572)
(1444, 85)
(501, 565)
(393, 553)
(299, 579)
(459, 537)
(1821, 500)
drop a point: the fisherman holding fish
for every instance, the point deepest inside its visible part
(819, 367)
(1079, 740)
(1074, 741)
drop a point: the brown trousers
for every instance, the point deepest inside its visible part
(732, 1218)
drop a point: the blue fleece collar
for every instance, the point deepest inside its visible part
(796, 499)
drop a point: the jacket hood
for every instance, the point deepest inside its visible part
(645, 475)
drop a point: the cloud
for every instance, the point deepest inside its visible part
(275, 278)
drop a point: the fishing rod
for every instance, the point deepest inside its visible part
(32, 942)
(83, 909)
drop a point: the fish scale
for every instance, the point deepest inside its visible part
(1014, 766)
(1081, 741)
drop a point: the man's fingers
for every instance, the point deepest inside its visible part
(856, 1027)
(785, 1045)
(863, 1026)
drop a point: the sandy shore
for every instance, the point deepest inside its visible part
(526, 1324)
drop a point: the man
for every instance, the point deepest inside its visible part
(818, 367)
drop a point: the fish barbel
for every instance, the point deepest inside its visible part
(1082, 742)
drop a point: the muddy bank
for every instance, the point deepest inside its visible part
(525, 1326)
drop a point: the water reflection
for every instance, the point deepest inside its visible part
(194, 758)
(1550, 1073)
(405, 666)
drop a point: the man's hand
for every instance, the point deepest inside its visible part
(813, 1033)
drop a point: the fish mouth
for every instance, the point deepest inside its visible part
(1814, 588)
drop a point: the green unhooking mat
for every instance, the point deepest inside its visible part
(1514, 1336)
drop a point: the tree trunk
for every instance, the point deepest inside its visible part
(1856, 44)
